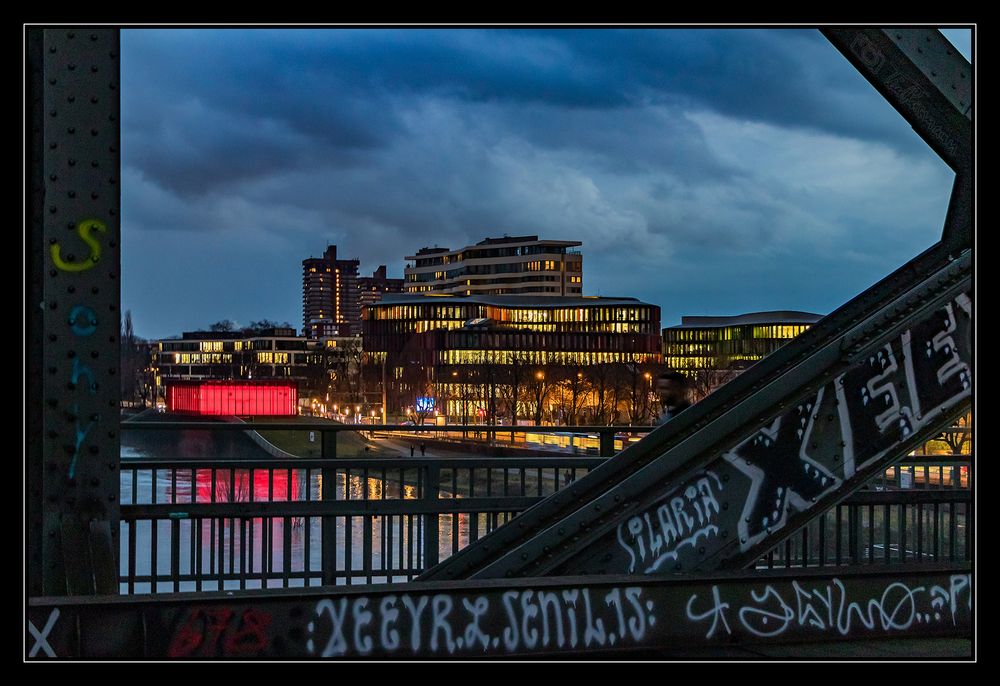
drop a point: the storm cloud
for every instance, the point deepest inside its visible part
(707, 171)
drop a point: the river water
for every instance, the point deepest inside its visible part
(396, 541)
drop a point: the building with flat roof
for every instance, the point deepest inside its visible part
(511, 265)
(725, 343)
(326, 369)
(330, 305)
(453, 347)
(268, 354)
(371, 288)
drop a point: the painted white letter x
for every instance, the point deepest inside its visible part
(41, 637)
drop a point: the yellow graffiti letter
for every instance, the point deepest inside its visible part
(83, 229)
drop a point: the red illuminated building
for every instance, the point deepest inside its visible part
(233, 397)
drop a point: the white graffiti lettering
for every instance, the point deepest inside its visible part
(415, 612)
(42, 637)
(530, 634)
(677, 520)
(442, 606)
(389, 613)
(717, 612)
(546, 602)
(594, 632)
(570, 598)
(942, 597)
(761, 621)
(362, 617)
(473, 634)
(529, 620)
(337, 644)
(826, 608)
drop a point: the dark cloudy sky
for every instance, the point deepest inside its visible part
(706, 171)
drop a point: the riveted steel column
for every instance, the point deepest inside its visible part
(79, 308)
(33, 269)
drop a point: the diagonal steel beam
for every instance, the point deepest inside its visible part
(921, 75)
(929, 83)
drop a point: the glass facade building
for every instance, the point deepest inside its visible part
(430, 343)
(722, 343)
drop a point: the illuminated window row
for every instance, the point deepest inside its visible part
(203, 358)
(578, 314)
(272, 358)
(507, 357)
(779, 331)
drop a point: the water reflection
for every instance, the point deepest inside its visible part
(237, 550)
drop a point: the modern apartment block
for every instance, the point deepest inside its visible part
(512, 265)
(330, 304)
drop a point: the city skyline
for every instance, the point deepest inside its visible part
(696, 178)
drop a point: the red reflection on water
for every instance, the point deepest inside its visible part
(233, 485)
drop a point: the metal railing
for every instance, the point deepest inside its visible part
(203, 525)
(199, 524)
(919, 510)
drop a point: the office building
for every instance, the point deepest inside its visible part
(512, 265)
(443, 345)
(726, 343)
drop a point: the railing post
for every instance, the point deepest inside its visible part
(607, 442)
(328, 493)
(854, 534)
(430, 495)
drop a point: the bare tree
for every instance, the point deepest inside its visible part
(959, 435)
(571, 391)
(134, 363)
(601, 379)
(704, 382)
(620, 390)
(538, 386)
(638, 380)
(515, 376)
(489, 374)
